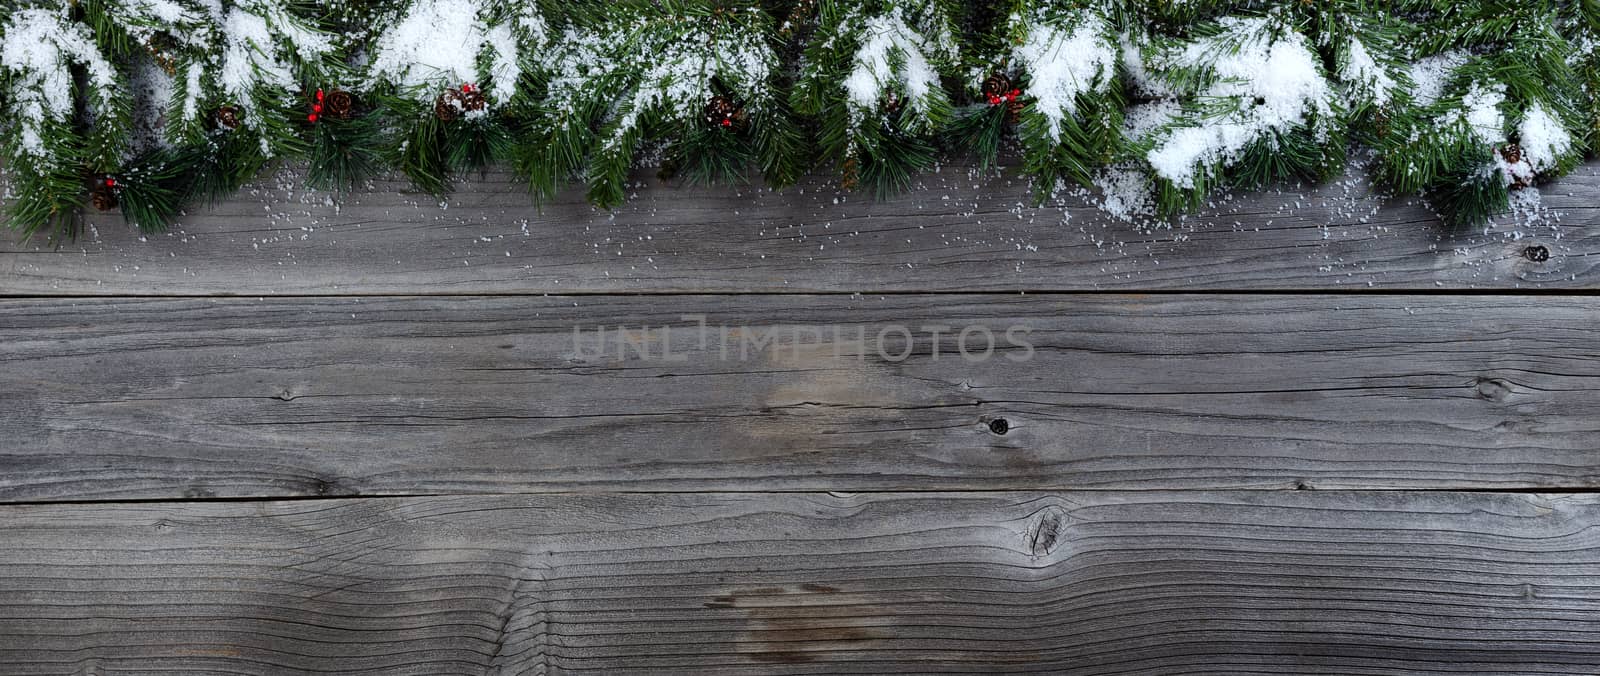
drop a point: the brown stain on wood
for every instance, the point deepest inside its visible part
(780, 634)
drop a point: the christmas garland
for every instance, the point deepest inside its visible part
(150, 105)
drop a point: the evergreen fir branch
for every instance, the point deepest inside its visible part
(871, 80)
(980, 130)
(151, 189)
(1464, 103)
(344, 153)
(707, 155)
(476, 144)
(46, 200)
(417, 148)
(218, 165)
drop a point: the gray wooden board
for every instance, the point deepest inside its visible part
(1082, 583)
(956, 232)
(206, 397)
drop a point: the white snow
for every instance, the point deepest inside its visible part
(888, 38)
(1370, 78)
(1145, 82)
(1125, 193)
(152, 90)
(678, 79)
(1429, 76)
(1278, 82)
(1063, 63)
(40, 46)
(1142, 119)
(192, 85)
(436, 44)
(1544, 139)
(249, 61)
(1481, 110)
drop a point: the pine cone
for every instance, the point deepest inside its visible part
(473, 100)
(339, 104)
(228, 117)
(103, 198)
(449, 105)
(852, 174)
(723, 112)
(161, 46)
(1014, 108)
(1512, 153)
(996, 85)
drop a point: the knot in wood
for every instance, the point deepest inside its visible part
(1046, 531)
(1494, 389)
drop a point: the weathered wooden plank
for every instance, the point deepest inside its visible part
(1081, 583)
(166, 398)
(958, 232)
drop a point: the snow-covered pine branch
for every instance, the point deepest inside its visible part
(1259, 88)
(1488, 117)
(871, 74)
(40, 47)
(686, 70)
(436, 45)
(1159, 103)
(1064, 62)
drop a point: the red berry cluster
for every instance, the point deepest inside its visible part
(316, 108)
(1008, 97)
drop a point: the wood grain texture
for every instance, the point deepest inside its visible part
(1086, 584)
(956, 232)
(173, 398)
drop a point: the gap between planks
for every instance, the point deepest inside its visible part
(1112, 293)
(1543, 490)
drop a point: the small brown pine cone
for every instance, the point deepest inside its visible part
(339, 104)
(996, 85)
(449, 105)
(473, 100)
(103, 198)
(852, 174)
(1512, 153)
(228, 117)
(1014, 108)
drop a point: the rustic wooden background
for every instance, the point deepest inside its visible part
(1303, 432)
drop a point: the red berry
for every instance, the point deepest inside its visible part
(727, 123)
(316, 108)
(312, 117)
(319, 94)
(466, 87)
(994, 100)
(111, 183)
